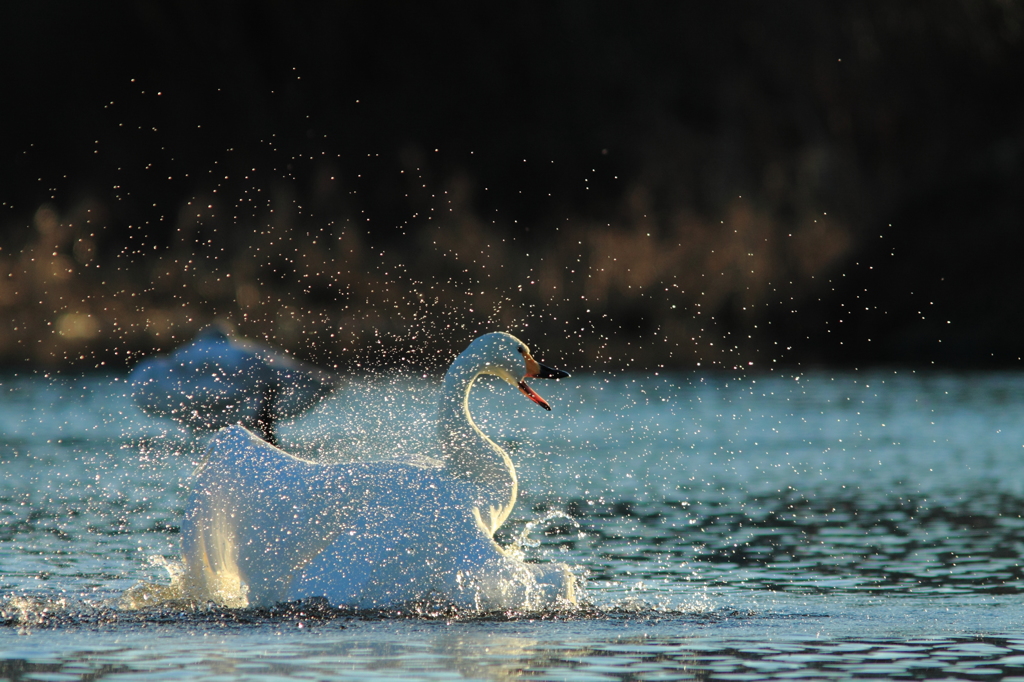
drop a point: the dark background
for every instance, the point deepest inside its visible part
(623, 184)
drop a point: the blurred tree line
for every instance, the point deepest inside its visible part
(646, 185)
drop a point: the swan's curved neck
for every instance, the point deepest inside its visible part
(470, 455)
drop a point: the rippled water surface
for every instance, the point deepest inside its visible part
(829, 525)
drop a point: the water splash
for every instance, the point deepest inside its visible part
(523, 541)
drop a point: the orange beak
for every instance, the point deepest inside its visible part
(536, 370)
(532, 395)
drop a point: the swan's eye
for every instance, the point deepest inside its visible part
(522, 351)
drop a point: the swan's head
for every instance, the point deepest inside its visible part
(505, 356)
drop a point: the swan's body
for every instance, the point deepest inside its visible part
(263, 527)
(219, 379)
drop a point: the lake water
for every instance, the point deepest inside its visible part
(864, 524)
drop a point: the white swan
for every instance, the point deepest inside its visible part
(219, 379)
(263, 527)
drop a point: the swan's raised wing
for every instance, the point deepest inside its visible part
(256, 514)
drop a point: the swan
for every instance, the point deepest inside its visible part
(219, 379)
(263, 527)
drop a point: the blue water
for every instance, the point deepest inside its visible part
(862, 524)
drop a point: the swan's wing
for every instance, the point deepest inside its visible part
(256, 514)
(430, 550)
(414, 543)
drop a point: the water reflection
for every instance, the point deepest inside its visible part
(443, 652)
